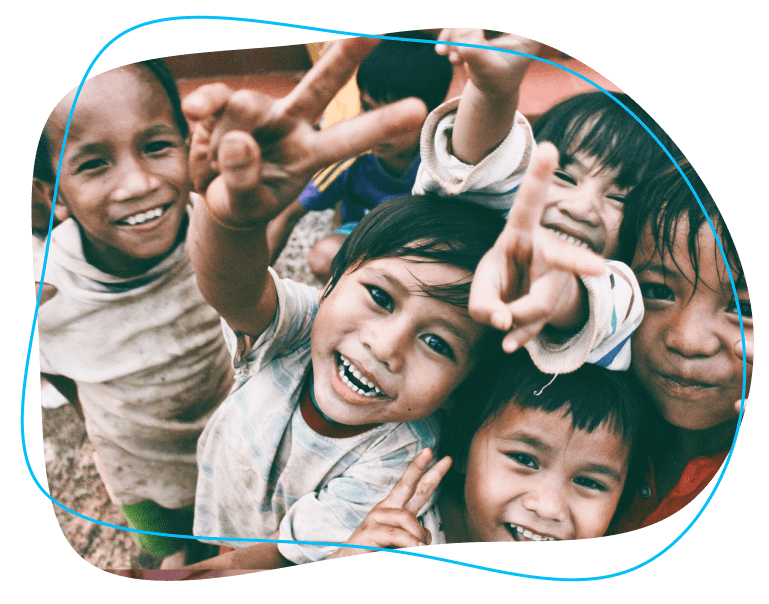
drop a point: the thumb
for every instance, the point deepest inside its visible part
(239, 160)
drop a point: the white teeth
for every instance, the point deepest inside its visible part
(571, 239)
(144, 216)
(346, 367)
(527, 534)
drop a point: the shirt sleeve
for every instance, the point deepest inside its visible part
(332, 514)
(493, 182)
(326, 188)
(290, 329)
(616, 310)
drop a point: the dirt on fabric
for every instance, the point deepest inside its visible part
(72, 476)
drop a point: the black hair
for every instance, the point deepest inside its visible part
(591, 396)
(44, 169)
(396, 70)
(661, 203)
(595, 124)
(446, 230)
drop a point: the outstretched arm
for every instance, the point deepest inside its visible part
(252, 155)
(529, 278)
(489, 101)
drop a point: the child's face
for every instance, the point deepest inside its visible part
(585, 203)
(124, 172)
(405, 144)
(530, 476)
(383, 350)
(683, 350)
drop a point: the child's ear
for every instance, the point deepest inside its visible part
(42, 196)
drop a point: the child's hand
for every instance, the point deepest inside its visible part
(529, 278)
(749, 360)
(286, 149)
(491, 71)
(393, 523)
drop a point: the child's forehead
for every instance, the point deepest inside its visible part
(551, 431)
(103, 96)
(670, 254)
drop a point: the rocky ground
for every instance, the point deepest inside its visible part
(72, 476)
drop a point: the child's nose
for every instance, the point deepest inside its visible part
(135, 180)
(387, 339)
(581, 204)
(691, 333)
(546, 499)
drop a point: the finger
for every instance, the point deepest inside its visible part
(486, 306)
(519, 336)
(332, 71)
(739, 405)
(205, 102)
(201, 170)
(427, 485)
(237, 193)
(404, 489)
(558, 254)
(488, 287)
(246, 111)
(748, 356)
(354, 136)
(530, 201)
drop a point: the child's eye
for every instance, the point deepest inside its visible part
(524, 459)
(381, 298)
(91, 164)
(157, 146)
(439, 345)
(656, 291)
(589, 483)
(565, 176)
(745, 309)
(618, 198)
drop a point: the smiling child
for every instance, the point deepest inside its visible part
(126, 334)
(687, 351)
(537, 458)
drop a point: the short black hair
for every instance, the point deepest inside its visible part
(661, 203)
(446, 230)
(595, 124)
(396, 70)
(591, 396)
(44, 169)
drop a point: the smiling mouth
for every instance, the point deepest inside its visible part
(583, 243)
(520, 533)
(354, 380)
(144, 217)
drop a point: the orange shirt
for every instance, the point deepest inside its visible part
(646, 508)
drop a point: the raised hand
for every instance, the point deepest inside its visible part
(529, 277)
(486, 111)
(288, 149)
(748, 357)
(393, 522)
(494, 72)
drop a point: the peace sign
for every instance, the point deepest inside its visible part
(393, 522)
(529, 277)
(283, 149)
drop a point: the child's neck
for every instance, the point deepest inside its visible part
(452, 518)
(398, 166)
(679, 446)
(122, 265)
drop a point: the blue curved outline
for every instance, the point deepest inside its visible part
(401, 552)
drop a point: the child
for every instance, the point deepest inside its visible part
(126, 334)
(486, 144)
(394, 70)
(687, 353)
(537, 458)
